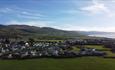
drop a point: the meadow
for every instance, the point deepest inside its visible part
(80, 63)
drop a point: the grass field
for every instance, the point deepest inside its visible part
(82, 63)
(98, 47)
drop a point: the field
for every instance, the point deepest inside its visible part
(98, 47)
(78, 63)
(82, 63)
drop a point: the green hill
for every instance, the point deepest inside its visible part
(24, 31)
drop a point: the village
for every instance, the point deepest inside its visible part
(32, 49)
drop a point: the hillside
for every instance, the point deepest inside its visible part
(25, 31)
(32, 31)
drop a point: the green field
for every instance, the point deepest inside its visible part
(97, 47)
(82, 63)
(78, 63)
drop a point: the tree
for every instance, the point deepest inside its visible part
(31, 41)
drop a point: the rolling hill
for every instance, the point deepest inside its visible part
(33, 31)
(26, 31)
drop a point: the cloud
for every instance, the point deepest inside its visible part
(5, 10)
(92, 8)
(72, 12)
(113, 1)
(75, 27)
(95, 8)
(98, 8)
(28, 17)
(21, 13)
(31, 14)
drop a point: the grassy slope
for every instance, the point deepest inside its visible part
(84, 63)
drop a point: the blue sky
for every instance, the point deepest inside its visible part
(84, 15)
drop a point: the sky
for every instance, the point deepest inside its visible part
(77, 15)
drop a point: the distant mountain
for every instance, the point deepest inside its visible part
(32, 31)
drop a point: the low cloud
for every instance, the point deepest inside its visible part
(75, 27)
